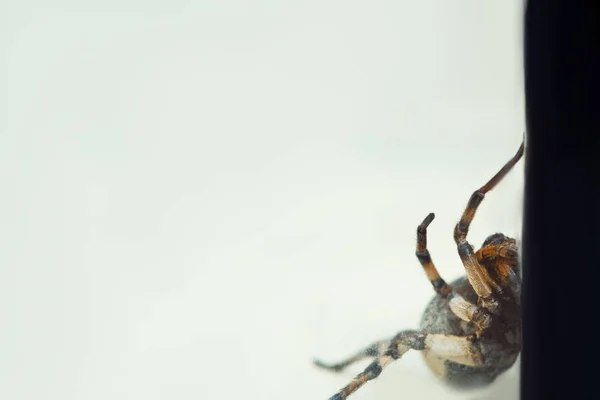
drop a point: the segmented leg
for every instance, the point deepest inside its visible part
(509, 254)
(500, 257)
(461, 350)
(462, 228)
(504, 250)
(439, 285)
(373, 350)
(477, 275)
(469, 312)
(458, 305)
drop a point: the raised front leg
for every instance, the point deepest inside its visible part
(477, 275)
(439, 285)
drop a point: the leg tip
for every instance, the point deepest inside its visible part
(329, 367)
(318, 363)
(426, 222)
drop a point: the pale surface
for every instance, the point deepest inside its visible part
(198, 198)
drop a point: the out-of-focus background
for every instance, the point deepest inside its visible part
(197, 198)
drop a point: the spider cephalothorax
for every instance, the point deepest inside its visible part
(471, 330)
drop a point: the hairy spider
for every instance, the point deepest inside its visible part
(471, 330)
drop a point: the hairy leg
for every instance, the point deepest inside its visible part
(462, 350)
(373, 350)
(477, 275)
(439, 285)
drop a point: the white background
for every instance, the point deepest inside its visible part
(197, 198)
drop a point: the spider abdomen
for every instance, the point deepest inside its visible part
(499, 347)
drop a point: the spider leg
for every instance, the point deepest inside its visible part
(462, 228)
(373, 350)
(458, 305)
(504, 259)
(469, 312)
(460, 349)
(477, 275)
(507, 253)
(439, 285)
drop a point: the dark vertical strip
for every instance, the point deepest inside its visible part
(561, 299)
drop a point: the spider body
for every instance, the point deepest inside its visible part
(470, 332)
(500, 345)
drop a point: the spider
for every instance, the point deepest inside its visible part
(471, 329)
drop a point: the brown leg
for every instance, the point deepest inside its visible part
(458, 305)
(462, 228)
(502, 260)
(439, 285)
(507, 252)
(478, 276)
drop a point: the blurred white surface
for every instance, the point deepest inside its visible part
(200, 197)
